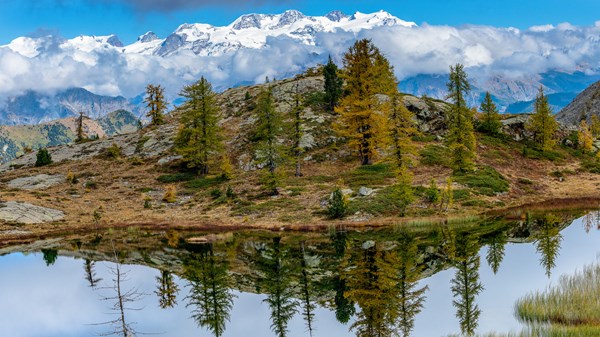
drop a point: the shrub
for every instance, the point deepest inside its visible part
(147, 201)
(175, 178)
(229, 193)
(114, 151)
(486, 181)
(216, 193)
(432, 194)
(43, 158)
(338, 205)
(170, 194)
(71, 178)
(435, 155)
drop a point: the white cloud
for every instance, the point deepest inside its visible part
(486, 52)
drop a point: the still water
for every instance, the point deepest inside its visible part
(434, 281)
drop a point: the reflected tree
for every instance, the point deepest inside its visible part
(495, 253)
(274, 264)
(466, 284)
(50, 256)
(591, 220)
(344, 307)
(90, 273)
(339, 241)
(548, 242)
(123, 300)
(307, 264)
(411, 296)
(210, 294)
(167, 290)
(372, 282)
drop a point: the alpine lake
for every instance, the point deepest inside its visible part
(460, 277)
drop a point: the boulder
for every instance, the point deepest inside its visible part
(38, 182)
(365, 191)
(25, 213)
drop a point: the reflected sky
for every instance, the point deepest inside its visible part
(47, 301)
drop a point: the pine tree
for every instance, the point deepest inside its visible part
(198, 139)
(333, 84)
(267, 129)
(548, 243)
(80, 132)
(585, 139)
(167, 290)
(155, 101)
(297, 132)
(495, 253)
(490, 122)
(542, 123)
(461, 137)
(361, 117)
(401, 128)
(43, 158)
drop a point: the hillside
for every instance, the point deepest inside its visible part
(585, 105)
(127, 185)
(14, 139)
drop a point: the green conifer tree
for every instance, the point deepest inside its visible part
(198, 139)
(490, 121)
(461, 137)
(267, 129)
(542, 124)
(333, 84)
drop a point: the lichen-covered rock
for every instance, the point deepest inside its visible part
(38, 182)
(25, 213)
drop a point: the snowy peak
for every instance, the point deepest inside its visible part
(148, 37)
(250, 31)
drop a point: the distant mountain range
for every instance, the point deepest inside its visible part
(48, 73)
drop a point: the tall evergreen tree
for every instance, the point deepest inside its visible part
(361, 117)
(490, 122)
(306, 290)
(267, 129)
(461, 137)
(466, 284)
(333, 84)
(156, 104)
(210, 294)
(297, 132)
(401, 129)
(80, 133)
(198, 139)
(542, 123)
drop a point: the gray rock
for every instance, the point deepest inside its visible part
(368, 244)
(365, 191)
(347, 191)
(168, 159)
(25, 213)
(38, 182)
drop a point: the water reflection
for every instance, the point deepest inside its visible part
(365, 283)
(210, 297)
(466, 284)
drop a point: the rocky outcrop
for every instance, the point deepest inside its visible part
(38, 182)
(429, 113)
(25, 213)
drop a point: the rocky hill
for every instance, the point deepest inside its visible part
(35, 107)
(125, 177)
(584, 105)
(14, 139)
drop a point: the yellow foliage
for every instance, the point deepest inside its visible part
(584, 137)
(226, 168)
(170, 194)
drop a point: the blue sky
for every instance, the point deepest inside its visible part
(129, 19)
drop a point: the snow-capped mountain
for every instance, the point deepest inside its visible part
(508, 62)
(248, 31)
